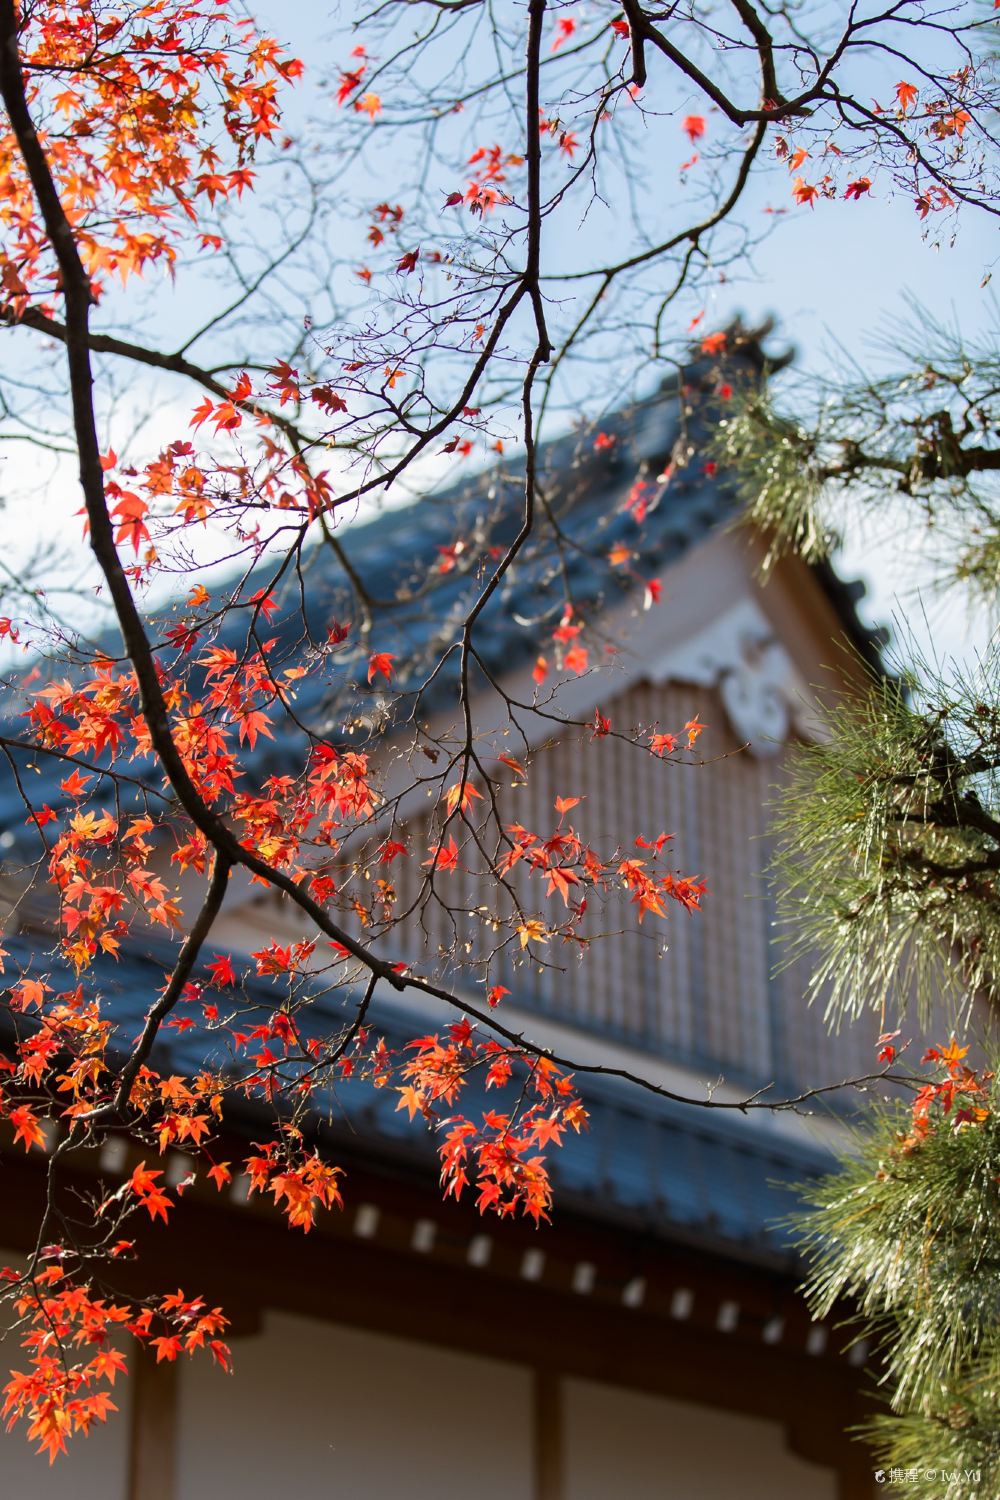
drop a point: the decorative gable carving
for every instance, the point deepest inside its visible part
(764, 695)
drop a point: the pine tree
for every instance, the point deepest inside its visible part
(888, 836)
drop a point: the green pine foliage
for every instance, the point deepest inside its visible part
(952, 1452)
(888, 855)
(780, 472)
(908, 1232)
(915, 448)
(887, 868)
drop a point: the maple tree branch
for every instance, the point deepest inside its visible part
(754, 1100)
(229, 852)
(157, 1014)
(693, 233)
(536, 16)
(78, 300)
(637, 40)
(6, 742)
(542, 352)
(641, 30)
(249, 290)
(879, 121)
(29, 807)
(774, 106)
(765, 49)
(356, 1024)
(174, 364)
(179, 364)
(76, 289)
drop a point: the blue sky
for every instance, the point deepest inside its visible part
(839, 279)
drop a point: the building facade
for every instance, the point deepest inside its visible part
(651, 1341)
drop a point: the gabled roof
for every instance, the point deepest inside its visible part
(675, 1171)
(426, 563)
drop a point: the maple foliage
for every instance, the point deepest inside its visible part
(962, 1097)
(73, 1357)
(121, 99)
(135, 136)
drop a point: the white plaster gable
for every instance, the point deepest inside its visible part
(711, 631)
(762, 692)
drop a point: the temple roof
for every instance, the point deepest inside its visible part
(698, 1176)
(677, 1171)
(426, 564)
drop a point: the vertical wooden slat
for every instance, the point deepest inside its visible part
(153, 1434)
(711, 996)
(548, 1436)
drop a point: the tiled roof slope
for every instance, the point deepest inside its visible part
(395, 553)
(698, 1176)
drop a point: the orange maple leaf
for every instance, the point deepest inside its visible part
(27, 1127)
(906, 95)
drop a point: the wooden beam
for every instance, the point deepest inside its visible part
(152, 1457)
(376, 1282)
(547, 1436)
(856, 1478)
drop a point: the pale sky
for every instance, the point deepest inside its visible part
(835, 277)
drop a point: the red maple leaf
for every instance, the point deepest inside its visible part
(381, 663)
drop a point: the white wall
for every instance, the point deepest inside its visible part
(322, 1411)
(622, 1443)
